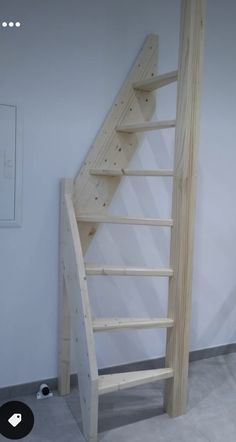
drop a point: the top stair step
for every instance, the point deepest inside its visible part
(119, 381)
(156, 82)
(146, 126)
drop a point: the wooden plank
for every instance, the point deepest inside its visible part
(109, 219)
(111, 149)
(156, 82)
(76, 286)
(109, 324)
(118, 381)
(145, 127)
(183, 205)
(132, 172)
(93, 269)
(64, 338)
(64, 317)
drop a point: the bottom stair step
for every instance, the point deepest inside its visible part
(119, 381)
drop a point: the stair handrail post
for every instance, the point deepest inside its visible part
(183, 202)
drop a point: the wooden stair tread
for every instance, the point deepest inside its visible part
(98, 218)
(132, 172)
(156, 82)
(95, 269)
(104, 324)
(146, 126)
(118, 381)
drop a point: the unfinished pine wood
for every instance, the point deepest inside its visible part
(76, 286)
(156, 82)
(105, 324)
(131, 172)
(96, 270)
(64, 318)
(183, 206)
(119, 381)
(145, 127)
(84, 205)
(64, 338)
(109, 219)
(112, 149)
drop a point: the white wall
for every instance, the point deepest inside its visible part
(65, 66)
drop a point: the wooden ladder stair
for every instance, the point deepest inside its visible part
(84, 203)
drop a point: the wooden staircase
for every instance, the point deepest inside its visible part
(84, 204)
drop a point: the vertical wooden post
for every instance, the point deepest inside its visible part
(64, 315)
(64, 341)
(183, 204)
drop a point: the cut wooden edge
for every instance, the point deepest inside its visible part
(132, 172)
(109, 324)
(156, 82)
(93, 269)
(146, 126)
(119, 381)
(97, 218)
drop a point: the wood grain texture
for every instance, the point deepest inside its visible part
(85, 202)
(64, 338)
(64, 315)
(156, 82)
(145, 127)
(109, 219)
(105, 324)
(94, 269)
(183, 205)
(132, 172)
(114, 149)
(76, 286)
(118, 381)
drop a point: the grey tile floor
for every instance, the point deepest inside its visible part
(136, 415)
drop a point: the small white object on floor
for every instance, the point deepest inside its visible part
(44, 392)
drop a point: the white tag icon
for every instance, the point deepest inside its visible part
(15, 419)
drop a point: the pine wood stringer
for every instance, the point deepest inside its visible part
(84, 204)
